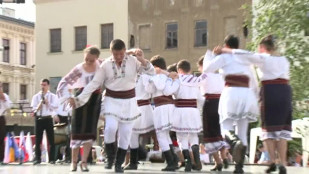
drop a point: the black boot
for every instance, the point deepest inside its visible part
(186, 155)
(282, 170)
(240, 163)
(110, 155)
(169, 160)
(175, 157)
(121, 154)
(196, 156)
(133, 160)
(236, 145)
(225, 163)
(271, 168)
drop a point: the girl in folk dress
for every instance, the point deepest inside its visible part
(85, 118)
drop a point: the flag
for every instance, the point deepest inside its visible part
(23, 155)
(28, 147)
(11, 149)
(44, 156)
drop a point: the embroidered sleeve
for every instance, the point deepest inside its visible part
(171, 86)
(192, 80)
(94, 84)
(68, 80)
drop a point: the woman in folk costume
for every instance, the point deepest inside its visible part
(118, 73)
(276, 99)
(144, 123)
(187, 118)
(164, 110)
(84, 119)
(211, 89)
(238, 104)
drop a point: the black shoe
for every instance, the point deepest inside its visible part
(271, 168)
(133, 160)
(218, 167)
(186, 155)
(236, 145)
(196, 156)
(240, 163)
(282, 170)
(169, 160)
(51, 162)
(110, 155)
(225, 163)
(120, 157)
(175, 157)
(238, 169)
(37, 162)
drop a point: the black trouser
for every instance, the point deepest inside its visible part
(41, 124)
(2, 135)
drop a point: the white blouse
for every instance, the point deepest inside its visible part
(231, 64)
(163, 85)
(143, 90)
(5, 104)
(272, 67)
(115, 78)
(76, 78)
(213, 84)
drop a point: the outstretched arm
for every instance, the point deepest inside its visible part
(94, 84)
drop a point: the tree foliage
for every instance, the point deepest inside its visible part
(288, 21)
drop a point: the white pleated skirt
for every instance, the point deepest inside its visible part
(144, 123)
(187, 120)
(163, 116)
(238, 103)
(125, 110)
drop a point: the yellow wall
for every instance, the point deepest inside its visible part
(67, 14)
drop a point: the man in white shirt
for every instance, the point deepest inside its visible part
(238, 104)
(44, 103)
(118, 73)
(5, 104)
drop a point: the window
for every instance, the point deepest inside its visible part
(80, 38)
(6, 88)
(171, 35)
(6, 50)
(23, 92)
(107, 35)
(55, 40)
(200, 33)
(144, 37)
(23, 53)
(53, 81)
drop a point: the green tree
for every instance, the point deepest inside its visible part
(288, 21)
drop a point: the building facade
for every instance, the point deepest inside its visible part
(175, 29)
(17, 61)
(184, 29)
(65, 27)
(17, 58)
